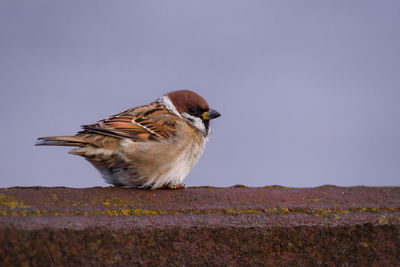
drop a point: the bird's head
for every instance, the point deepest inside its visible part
(191, 107)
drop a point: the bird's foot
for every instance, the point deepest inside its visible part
(128, 186)
(175, 186)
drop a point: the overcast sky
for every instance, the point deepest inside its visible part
(309, 91)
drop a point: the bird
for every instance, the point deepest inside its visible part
(149, 146)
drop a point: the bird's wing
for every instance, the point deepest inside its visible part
(150, 122)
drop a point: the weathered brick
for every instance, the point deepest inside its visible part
(200, 226)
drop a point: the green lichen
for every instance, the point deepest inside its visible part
(325, 213)
(124, 212)
(115, 202)
(28, 213)
(369, 209)
(242, 211)
(383, 220)
(10, 202)
(9, 206)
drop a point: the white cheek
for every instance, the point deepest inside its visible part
(166, 102)
(196, 122)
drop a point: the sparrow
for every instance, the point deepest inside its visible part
(149, 146)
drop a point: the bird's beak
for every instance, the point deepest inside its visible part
(211, 114)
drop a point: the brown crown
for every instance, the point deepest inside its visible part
(183, 99)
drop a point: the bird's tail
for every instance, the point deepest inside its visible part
(61, 141)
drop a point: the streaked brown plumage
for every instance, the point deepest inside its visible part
(154, 145)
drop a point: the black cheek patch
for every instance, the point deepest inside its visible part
(206, 124)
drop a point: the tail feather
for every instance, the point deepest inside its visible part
(61, 141)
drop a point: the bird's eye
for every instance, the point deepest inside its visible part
(192, 111)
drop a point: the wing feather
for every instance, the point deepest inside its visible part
(145, 123)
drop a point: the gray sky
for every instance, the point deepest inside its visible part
(309, 90)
